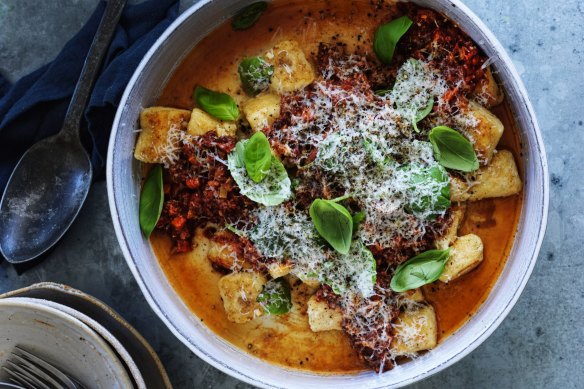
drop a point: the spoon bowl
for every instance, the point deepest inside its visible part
(45, 193)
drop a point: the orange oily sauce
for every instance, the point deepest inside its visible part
(287, 340)
(281, 339)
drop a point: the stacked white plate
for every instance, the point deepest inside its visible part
(79, 334)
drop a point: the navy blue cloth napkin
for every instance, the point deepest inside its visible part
(34, 108)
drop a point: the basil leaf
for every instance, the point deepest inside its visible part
(420, 115)
(412, 94)
(255, 75)
(240, 154)
(219, 105)
(382, 92)
(357, 220)
(426, 111)
(296, 183)
(151, 201)
(452, 150)
(387, 36)
(420, 270)
(436, 178)
(326, 153)
(334, 223)
(341, 198)
(274, 189)
(248, 15)
(257, 156)
(362, 275)
(276, 298)
(378, 152)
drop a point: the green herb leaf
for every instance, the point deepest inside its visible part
(255, 75)
(382, 92)
(378, 152)
(151, 201)
(276, 298)
(248, 15)
(412, 94)
(452, 150)
(240, 154)
(341, 198)
(357, 220)
(438, 201)
(420, 275)
(274, 189)
(257, 156)
(219, 105)
(363, 274)
(426, 111)
(296, 183)
(334, 223)
(387, 36)
(420, 115)
(420, 270)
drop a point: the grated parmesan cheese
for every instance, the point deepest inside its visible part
(371, 151)
(169, 151)
(415, 85)
(366, 146)
(285, 232)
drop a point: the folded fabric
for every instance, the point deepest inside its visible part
(34, 107)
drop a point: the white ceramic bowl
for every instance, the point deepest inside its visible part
(123, 176)
(100, 330)
(61, 339)
(140, 352)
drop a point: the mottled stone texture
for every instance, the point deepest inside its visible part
(538, 345)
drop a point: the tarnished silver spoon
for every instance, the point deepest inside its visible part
(50, 182)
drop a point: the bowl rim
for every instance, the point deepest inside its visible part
(482, 335)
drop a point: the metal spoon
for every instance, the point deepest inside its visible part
(50, 182)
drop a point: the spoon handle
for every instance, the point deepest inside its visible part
(97, 51)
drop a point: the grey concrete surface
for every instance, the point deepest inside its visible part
(537, 346)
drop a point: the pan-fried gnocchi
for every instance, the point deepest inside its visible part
(498, 179)
(292, 71)
(223, 256)
(321, 317)
(487, 133)
(155, 124)
(201, 123)
(449, 235)
(239, 292)
(262, 111)
(278, 270)
(416, 330)
(466, 254)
